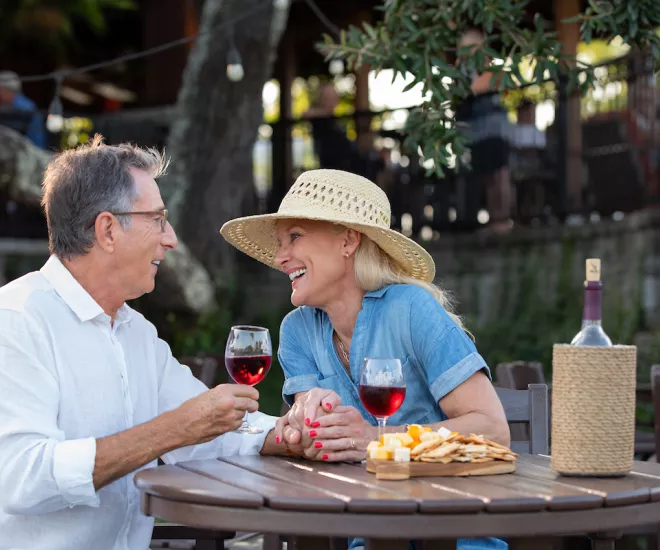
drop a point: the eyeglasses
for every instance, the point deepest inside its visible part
(162, 213)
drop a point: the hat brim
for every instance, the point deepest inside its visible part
(255, 236)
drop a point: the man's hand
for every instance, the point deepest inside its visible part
(215, 412)
(306, 409)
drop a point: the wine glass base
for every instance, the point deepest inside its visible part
(247, 429)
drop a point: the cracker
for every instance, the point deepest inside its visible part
(425, 446)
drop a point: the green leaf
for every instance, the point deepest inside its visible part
(371, 32)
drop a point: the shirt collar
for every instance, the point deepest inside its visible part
(377, 293)
(74, 295)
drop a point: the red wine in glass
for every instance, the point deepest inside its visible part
(382, 400)
(382, 388)
(249, 370)
(247, 358)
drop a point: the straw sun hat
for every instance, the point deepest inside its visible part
(338, 197)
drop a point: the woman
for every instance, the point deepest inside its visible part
(364, 290)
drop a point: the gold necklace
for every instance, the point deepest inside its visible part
(343, 349)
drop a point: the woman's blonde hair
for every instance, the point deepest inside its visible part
(374, 269)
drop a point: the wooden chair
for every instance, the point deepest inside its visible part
(517, 375)
(207, 369)
(652, 532)
(528, 407)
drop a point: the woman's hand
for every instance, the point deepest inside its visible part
(304, 413)
(340, 436)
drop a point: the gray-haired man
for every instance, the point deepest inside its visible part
(89, 393)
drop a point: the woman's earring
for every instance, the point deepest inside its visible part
(347, 254)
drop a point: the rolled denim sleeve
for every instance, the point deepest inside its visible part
(300, 370)
(448, 355)
(40, 470)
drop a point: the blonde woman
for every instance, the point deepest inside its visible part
(363, 290)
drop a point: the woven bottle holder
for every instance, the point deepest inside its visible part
(593, 409)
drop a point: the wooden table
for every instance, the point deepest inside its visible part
(310, 499)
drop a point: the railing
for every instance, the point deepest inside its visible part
(618, 162)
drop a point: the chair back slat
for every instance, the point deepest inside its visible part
(655, 392)
(530, 407)
(517, 375)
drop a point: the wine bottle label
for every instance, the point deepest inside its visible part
(593, 269)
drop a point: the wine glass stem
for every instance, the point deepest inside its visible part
(245, 421)
(381, 426)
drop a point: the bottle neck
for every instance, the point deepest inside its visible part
(591, 314)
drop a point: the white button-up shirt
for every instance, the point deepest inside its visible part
(67, 377)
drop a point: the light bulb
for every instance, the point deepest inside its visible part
(55, 120)
(235, 72)
(281, 4)
(55, 123)
(336, 67)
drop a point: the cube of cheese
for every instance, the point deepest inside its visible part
(444, 432)
(402, 454)
(415, 430)
(380, 453)
(391, 440)
(372, 445)
(406, 439)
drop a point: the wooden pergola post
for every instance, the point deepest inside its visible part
(163, 21)
(363, 123)
(568, 113)
(282, 145)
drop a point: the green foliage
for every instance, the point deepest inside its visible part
(421, 37)
(49, 23)
(534, 317)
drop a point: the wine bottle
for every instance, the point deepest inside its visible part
(592, 333)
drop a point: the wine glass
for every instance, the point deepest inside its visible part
(247, 357)
(382, 388)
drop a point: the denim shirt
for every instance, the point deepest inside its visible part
(403, 321)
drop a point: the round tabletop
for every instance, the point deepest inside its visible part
(303, 498)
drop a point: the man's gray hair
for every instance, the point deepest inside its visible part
(81, 183)
(11, 81)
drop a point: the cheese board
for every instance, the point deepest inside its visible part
(387, 469)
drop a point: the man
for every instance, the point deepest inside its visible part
(89, 393)
(12, 98)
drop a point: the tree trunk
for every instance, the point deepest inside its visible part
(211, 139)
(183, 284)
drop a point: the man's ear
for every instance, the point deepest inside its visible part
(106, 230)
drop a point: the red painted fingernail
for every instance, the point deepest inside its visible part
(316, 424)
(318, 444)
(325, 457)
(329, 406)
(307, 421)
(312, 433)
(278, 439)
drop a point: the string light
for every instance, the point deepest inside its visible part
(235, 70)
(336, 67)
(148, 52)
(55, 120)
